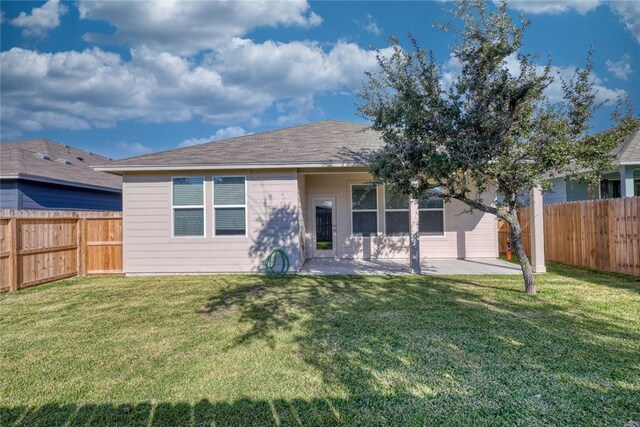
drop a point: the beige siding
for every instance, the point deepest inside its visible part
(272, 209)
(466, 235)
(277, 209)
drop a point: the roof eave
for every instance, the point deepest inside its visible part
(59, 182)
(235, 166)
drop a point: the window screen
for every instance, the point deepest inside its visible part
(188, 207)
(431, 216)
(229, 206)
(396, 214)
(364, 203)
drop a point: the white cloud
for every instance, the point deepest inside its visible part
(450, 72)
(554, 91)
(369, 25)
(188, 27)
(629, 14)
(224, 133)
(296, 111)
(94, 88)
(622, 68)
(552, 7)
(293, 69)
(627, 10)
(133, 148)
(604, 94)
(452, 68)
(41, 20)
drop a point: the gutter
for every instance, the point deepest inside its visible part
(59, 182)
(145, 168)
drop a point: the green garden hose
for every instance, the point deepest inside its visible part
(272, 260)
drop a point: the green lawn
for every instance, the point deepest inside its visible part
(255, 350)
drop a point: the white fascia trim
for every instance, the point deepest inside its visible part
(121, 169)
(59, 182)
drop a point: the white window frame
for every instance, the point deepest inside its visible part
(444, 222)
(376, 210)
(385, 210)
(245, 206)
(203, 207)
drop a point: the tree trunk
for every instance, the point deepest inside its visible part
(511, 217)
(516, 240)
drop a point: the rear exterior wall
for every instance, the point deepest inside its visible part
(278, 204)
(272, 221)
(465, 236)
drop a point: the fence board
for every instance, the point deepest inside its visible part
(599, 234)
(38, 247)
(104, 246)
(5, 249)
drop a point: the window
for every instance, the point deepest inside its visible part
(396, 212)
(431, 212)
(188, 207)
(229, 206)
(610, 188)
(364, 209)
(616, 190)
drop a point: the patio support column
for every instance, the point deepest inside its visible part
(414, 237)
(626, 182)
(537, 231)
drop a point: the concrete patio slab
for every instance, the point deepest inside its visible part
(470, 266)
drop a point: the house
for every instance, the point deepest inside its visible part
(223, 206)
(42, 174)
(624, 182)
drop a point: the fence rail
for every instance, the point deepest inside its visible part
(599, 234)
(38, 247)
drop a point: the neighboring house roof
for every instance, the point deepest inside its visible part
(320, 143)
(47, 161)
(629, 152)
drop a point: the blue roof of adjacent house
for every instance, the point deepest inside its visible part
(49, 161)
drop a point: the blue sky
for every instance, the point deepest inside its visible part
(128, 78)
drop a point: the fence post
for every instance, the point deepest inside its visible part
(13, 249)
(82, 247)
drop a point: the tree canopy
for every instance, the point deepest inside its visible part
(492, 129)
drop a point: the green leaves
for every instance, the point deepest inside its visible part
(492, 125)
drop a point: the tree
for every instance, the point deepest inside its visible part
(492, 128)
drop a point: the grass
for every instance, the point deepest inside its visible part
(255, 350)
(324, 244)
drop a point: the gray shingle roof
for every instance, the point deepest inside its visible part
(44, 159)
(629, 152)
(313, 143)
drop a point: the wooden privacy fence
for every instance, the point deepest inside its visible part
(599, 234)
(37, 247)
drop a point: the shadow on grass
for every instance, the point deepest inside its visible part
(244, 412)
(593, 276)
(485, 350)
(596, 277)
(401, 350)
